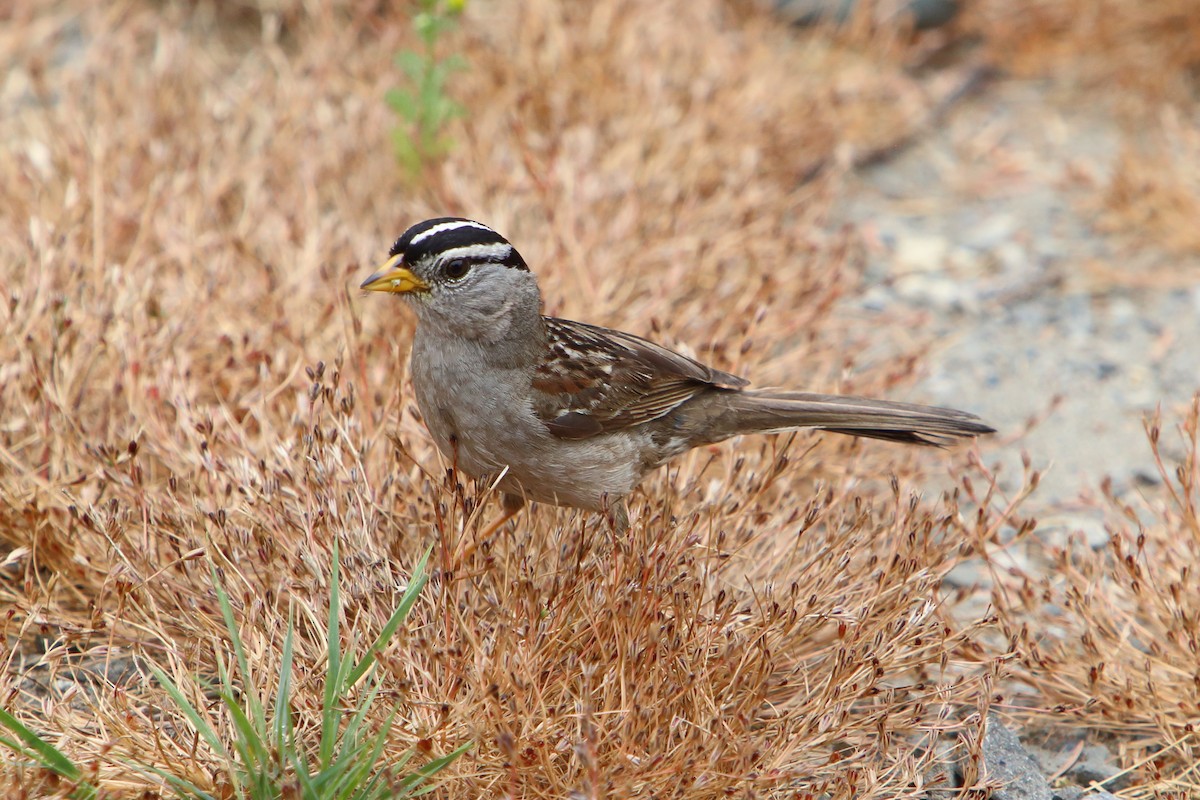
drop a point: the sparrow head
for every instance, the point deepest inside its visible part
(460, 276)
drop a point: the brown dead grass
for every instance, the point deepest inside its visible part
(1142, 62)
(1119, 651)
(191, 193)
(1154, 193)
(1151, 47)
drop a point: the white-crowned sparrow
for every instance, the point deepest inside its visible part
(573, 414)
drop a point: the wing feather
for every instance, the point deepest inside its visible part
(598, 380)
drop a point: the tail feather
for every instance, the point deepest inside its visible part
(767, 412)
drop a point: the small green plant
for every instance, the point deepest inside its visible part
(426, 107)
(268, 760)
(269, 757)
(45, 755)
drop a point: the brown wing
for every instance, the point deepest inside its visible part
(598, 380)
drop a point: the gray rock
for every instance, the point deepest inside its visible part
(1069, 793)
(1007, 762)
(944, 778)
(1096, 764)
(1053, 759)
(924, 14)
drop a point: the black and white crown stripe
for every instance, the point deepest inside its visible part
(447, 238)
(447, 225)
(496, 252)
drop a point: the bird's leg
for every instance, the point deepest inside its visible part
(511, 503)
(617, 514)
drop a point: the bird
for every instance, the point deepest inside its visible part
(567, 413)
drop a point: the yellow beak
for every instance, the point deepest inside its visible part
(392, 277)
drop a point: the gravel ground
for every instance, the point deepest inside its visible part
(986, 228)
(984, 231)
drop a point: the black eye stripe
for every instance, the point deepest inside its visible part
(515, 261)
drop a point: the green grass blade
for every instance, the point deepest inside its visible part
(284, 730)
(429, 769)
(416, 583)
(355, 769)
(249, 742)
(343, 772)
(239, 652)
(330, 711)
(309, 788)
(198, 722)
(181, 786)
(358, 718)
(39, 749)
(369, 763)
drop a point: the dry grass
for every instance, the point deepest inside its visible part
(1154, 193)
(192, 190)
(1119, 654)
(1140, 60)
(1151, 47)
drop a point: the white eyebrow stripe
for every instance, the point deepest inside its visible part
(453, 225)
(495, 251)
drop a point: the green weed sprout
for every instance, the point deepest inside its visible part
(426, 107)
(268, 757)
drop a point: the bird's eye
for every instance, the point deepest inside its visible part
(457, 269)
